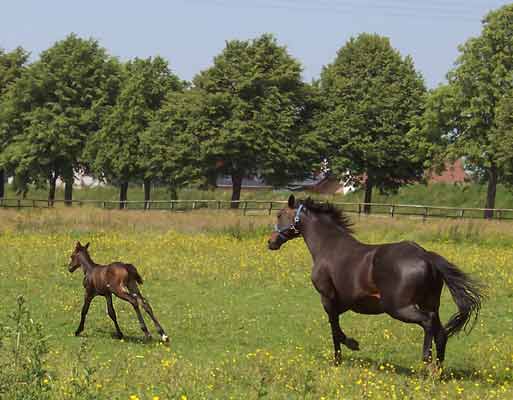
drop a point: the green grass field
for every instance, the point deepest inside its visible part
(244, 322)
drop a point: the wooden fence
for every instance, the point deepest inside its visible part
(254, 207)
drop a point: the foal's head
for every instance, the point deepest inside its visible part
(287, 226)
(74, 262)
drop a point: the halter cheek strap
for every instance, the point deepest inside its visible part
(284, 234)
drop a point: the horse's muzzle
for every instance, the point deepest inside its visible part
(274, 243)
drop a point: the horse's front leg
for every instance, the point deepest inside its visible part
(336, 332)
(112, 315)
(88, 297)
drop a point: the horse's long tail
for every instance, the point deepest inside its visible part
(133, 273)
(465, 291)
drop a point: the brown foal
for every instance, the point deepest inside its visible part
(115, 278)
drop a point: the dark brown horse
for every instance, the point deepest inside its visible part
(105, 280)
(400, 279)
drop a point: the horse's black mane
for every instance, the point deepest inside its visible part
(331, 210)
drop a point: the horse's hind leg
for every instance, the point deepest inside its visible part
(112, 315)
(147, 307)
(132, 299)
(440, 338)
(412, 314)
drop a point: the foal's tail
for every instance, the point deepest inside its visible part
(465, 291)
(133, 273)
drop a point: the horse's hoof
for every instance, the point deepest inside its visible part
(165, 338)
(77, 333)
(352, 344)
(118, 336)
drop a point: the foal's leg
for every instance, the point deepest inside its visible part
(147, 307)
(112, 315)
(133, 301)
(88, 297)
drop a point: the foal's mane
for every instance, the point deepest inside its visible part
(336, 215)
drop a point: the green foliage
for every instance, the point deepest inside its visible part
(371, 97)
(23, 348)
(254, 113)
(504, 136)
(115, 151)
(54, 107)
(170, 148)
(483, 76)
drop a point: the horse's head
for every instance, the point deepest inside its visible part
(74, 262)
(287, 224)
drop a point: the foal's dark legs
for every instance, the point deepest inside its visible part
(112, 315)
(85, 308)
(146, 306)
(133, 301)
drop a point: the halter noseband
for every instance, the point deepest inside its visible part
(285, 234)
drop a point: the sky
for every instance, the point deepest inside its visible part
(190, 33)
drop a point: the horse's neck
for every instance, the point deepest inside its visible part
(319, 234)
(87, 262)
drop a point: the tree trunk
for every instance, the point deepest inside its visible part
(51, 193)
(68, 190)
(492, 190)
(173, 193)
(123, 191)
(147, 188)
(2, 183)
(236, 188)
(368, 196)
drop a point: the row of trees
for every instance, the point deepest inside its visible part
(79, 110)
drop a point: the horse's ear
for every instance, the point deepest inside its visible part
(78, 245)
(292, 201)
(86, 246)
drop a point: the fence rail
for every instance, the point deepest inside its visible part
(264, 207)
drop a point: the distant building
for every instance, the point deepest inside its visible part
(453, 173)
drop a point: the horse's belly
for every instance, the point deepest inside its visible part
(368, 305)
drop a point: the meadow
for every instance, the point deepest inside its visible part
(244, 322)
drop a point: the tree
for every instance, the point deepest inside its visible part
(256, 113)
(170, 148)
(371, 99)
(12, 65)
(115, 150)
(482, 77)
(504, 136)
(55, 107)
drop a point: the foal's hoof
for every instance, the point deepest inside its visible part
(352, 344)
(118, 335)
(77, 333)
(165, 338)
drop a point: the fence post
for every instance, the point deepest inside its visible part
(19, 203)
(424, 217)
(392, 209)
(461, 213)
(244, 208)
(498, 213)
(270, 207)
(359, 209)
(104, 204)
